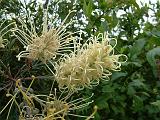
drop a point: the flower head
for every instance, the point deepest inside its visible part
(46, 46)
(58, 107)
(92, 62)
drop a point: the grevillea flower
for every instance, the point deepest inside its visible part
(3, 31)
(52, 107)
(87, 65)
(51, 42)
(59, 106)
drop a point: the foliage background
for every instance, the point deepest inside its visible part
(131, 94)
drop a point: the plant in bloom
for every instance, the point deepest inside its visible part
(51, 42)
(88, 64)
(53, 106)
(58, 106)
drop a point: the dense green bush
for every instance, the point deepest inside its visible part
(131, 94)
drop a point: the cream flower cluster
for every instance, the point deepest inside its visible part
(84, 67)
(92, 62)
(51, 42)
(59, 107)
(42, 48)
(56, 106)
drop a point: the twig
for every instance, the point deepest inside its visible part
(9, 75)
(38, 77)
(20, 70)
(9, 84)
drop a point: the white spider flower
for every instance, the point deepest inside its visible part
(58, 107)
(51, 42)
(88, 64)
(3, 32)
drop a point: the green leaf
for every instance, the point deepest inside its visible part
(117, 75)
(155, 32)
(137, 48)
(137, 103)
(137, 83)
(146, 94)
(108, 89)
(97, 116)
(114, 20)
(157, 103)
(134, 3)
(117, 109)
(104, 26)
(152, 60)
(137, 64)
(87, 8)
(131, 91)
(101, 102)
